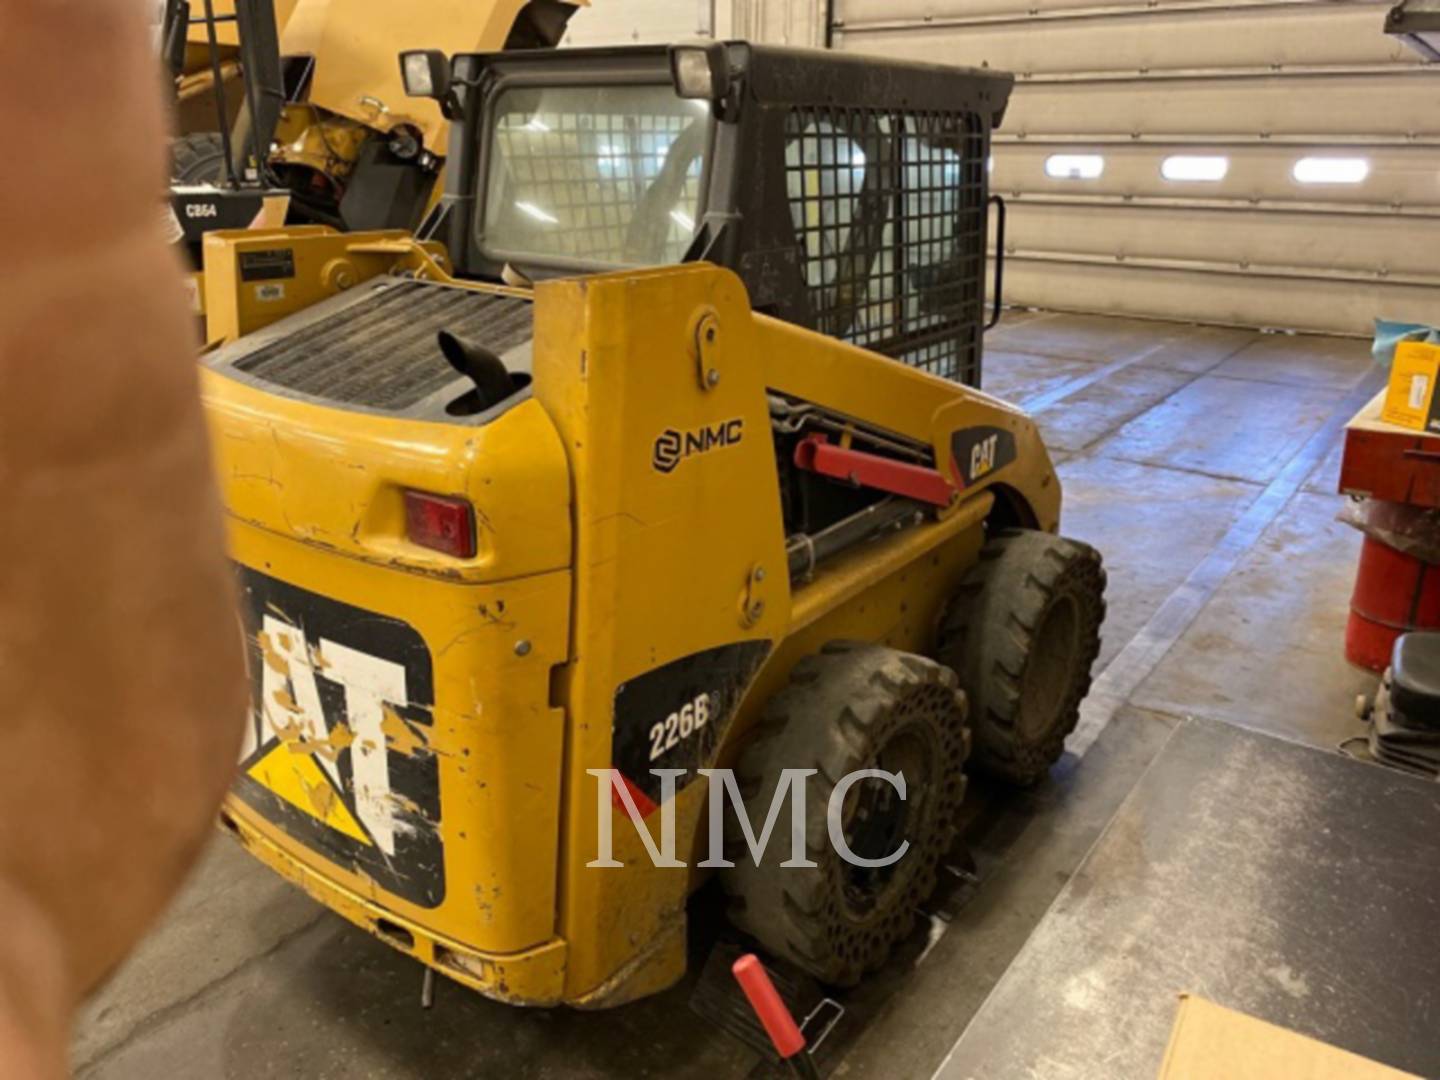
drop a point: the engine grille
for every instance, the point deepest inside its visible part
(381, 352)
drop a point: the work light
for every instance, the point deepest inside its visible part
(426, 73)
(700, 71)
(693, 78)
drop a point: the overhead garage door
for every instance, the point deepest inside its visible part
(632, 22)
(1271, 163)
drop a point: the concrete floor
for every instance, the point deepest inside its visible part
(1200, 461)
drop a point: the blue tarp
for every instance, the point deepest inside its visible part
(1389, 334)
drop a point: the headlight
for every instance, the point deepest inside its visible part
(426, 73)
(694, 77)
(417, 75)
(701, 72)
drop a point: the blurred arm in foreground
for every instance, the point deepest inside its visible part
(121, 677)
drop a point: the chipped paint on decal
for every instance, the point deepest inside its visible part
(338, 751)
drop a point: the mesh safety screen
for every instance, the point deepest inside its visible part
(889, 208)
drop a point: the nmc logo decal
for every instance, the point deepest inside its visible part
(673, 447)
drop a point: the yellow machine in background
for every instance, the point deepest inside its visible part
(317, 129)
(508, 555)
(194, 71)
(335, 122)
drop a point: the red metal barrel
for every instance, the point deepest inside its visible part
(1394, 593)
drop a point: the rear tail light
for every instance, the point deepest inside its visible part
(440, 524)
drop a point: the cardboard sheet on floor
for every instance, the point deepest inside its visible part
(1210, 1042)
(1292, 883)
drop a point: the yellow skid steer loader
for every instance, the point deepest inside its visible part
(526, 568)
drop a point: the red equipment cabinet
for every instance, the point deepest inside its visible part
(1395, 592)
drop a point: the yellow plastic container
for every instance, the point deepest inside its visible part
(1410, 399)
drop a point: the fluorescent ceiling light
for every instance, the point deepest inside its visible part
(1206, 167)
(1331, 170)
(1074, 166)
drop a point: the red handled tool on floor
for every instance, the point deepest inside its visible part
(784, 1033)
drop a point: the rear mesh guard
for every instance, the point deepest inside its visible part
(889, 210)
(380, 352)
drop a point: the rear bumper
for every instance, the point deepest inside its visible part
(534, 977)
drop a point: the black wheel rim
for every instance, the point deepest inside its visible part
(876, 821)
(1050, 674)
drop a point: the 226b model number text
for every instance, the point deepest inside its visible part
(679, 726)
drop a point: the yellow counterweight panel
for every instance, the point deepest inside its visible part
(462, 849)
(497, 743)
(335, 478)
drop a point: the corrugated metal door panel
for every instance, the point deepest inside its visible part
(1405, 103)
(1262, 83)
(1401, 177)
(1294, 303)
(632, 22)
(1257, 37)
(1367, 247)
(856, 16)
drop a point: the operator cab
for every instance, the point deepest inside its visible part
(848, 196)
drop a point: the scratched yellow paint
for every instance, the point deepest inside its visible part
(399, 735)
(298, 780)
(340, 739)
